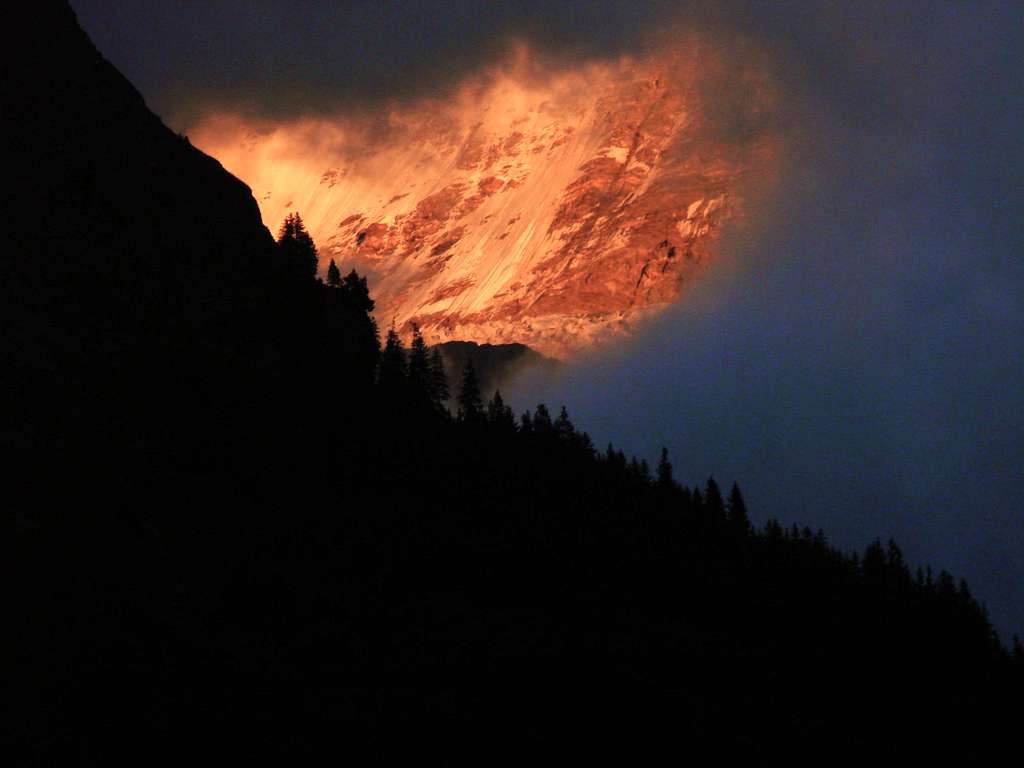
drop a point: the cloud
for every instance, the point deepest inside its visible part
(288, 59)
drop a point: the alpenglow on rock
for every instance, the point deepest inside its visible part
(553, 206)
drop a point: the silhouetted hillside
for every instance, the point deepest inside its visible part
(238, 531)
(141, 291)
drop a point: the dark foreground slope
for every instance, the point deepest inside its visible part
(223, 541)
(145, 308)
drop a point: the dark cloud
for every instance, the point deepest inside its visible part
(287, 58)
(855, 360)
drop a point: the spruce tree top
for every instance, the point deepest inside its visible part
(297, 247)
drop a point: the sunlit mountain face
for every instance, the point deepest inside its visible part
(549, 203)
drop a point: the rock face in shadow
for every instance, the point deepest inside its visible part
(139, 290)
(496, 365)
(119, 232)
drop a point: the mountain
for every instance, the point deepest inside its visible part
(225, 536)
(540, 203)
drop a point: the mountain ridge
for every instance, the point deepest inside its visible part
(555, 206)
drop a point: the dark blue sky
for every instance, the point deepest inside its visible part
(855, 361)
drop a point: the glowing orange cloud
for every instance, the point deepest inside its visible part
(548, 203)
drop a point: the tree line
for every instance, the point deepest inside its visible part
(416, 378)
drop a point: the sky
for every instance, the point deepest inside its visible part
(854, 358)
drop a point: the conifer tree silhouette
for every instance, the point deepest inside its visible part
(355, 342)
(713, 502)
(634, 468)
(297, 247)
(439, 393)
(664, 471)
(470, 403)
(420, 373)
(333, 275)
(498, 413)
(737, 510)
(697, 502)
(873, 564)
(393, 369)
(357, 292)
(526, 422)
(542, 419)
(563, 426)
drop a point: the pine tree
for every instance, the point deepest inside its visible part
(542, 419)
(963, 594)
(498, 413)
(495, 408)
(526, 422)
(470, 403)
(664, 471)
(894, 556)
(357, 292)
(873, 564)
(359, 326)
(393, 373)
(439, 393)
(713, 501)
(297, 247)
(945, 587)
(899, 572)
(738, 510)
(697, 502)
(333, 275)
(563, 426)
(420, 374)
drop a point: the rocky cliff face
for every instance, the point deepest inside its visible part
(552, 206)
